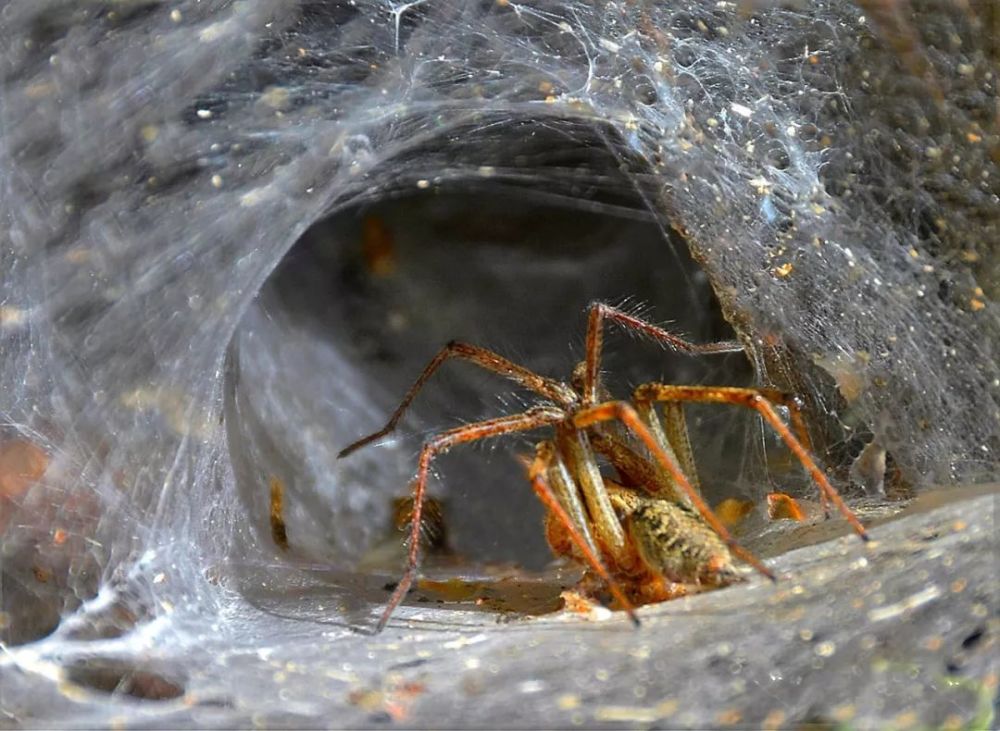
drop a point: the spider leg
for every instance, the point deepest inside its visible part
(575, 448)
(625, 413)
(799, 425)
(672, 435)
(754, 399)
(634, 469)
(548, 388)
(599, 312)
(531, 419)
(538, 471)
(562, 483)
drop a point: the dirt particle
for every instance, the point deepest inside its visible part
(568, 701)
(22, 463)
(729, 717)
(773, 720)
(825, 649)
(844, 712)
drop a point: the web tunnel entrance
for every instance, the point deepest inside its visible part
(368, 295)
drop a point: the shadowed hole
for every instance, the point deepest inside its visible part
(120, 679)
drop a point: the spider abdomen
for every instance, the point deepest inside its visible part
(676, 543)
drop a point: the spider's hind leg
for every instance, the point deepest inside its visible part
(758, 400)
(625, 413)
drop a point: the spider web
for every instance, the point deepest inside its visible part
(832, 167)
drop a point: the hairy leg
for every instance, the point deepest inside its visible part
(672, 435)
(488, 360)
(565, 487)
(599, 312)
(539, 483)
(531, 419)
(625, 413)
(794, 407)
(753, 399)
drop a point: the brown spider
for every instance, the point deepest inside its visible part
(647, 532)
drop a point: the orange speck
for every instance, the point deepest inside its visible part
(772, 340)
(773, 720)
(59, 536)
(397, 711)
(411, 689)
(729, 718)
(377, 247)
(976, 305)
(22, 463)
(575, 602)
(783, 507)
(732, 511)
(784, 270)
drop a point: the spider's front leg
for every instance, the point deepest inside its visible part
(531, 419)
(601, 312)
(487, 360)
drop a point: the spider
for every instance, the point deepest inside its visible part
(649, 532)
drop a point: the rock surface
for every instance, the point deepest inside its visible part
(901, 633)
